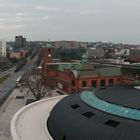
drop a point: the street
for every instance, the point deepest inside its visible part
(9, 85)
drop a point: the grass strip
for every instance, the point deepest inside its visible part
(4, 78)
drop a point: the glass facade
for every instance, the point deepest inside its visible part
(89, 98)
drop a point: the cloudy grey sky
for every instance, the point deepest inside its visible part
(85, 20)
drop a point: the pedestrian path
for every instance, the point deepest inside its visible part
(5, 117)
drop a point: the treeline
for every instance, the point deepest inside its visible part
(41, 56)
(21, 64)
(34, 53)
(5, 65)
(29, 52)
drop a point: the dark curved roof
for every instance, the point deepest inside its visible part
(72, 119)
(127, 96)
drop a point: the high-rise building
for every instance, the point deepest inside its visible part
(2, 49)
(24, 42)
(20, 41)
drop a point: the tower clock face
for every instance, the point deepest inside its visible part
(49, 55)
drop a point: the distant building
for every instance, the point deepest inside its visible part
(134, 55)
(24, 42)
(97, 52)
(70, 44)
(2, 49)
(20, 42)
(17, 54)
(123, 53)
(22, 53)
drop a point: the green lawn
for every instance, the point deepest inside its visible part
(4, 78)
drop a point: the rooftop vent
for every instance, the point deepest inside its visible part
(112, 123)
(88, 114)
(75, 106)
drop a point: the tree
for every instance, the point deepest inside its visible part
(36, 85)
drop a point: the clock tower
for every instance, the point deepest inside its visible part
(48, 53)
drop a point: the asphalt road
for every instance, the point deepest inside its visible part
(7, 87)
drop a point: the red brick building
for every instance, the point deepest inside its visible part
(74, 77)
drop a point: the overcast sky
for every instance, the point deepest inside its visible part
(84, 20)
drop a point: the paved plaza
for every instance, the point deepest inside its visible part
(14, 104)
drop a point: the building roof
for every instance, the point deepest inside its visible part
(121, 95)
(103, 72)
(110, 71)
(73, 119)
(87, 70)
(110, 107)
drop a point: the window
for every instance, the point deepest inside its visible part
(111, 82)
(84, 84)
(75, 106)
(73, 82)
(49, 50)
(94, 83)
(88, 114)
(102, 83)
(118, 80)
(112, 123)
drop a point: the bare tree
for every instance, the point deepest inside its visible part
(36, 85)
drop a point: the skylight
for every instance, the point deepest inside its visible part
(89, 98)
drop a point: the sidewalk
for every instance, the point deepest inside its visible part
(5, 117)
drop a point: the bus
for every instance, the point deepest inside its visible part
(18, 81)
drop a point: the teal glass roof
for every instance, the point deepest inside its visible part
(89, 98)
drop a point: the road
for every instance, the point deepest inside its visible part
(9, 85)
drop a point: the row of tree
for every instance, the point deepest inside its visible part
(41, 56)
(21, 63)
(35, 84)
(34, 53)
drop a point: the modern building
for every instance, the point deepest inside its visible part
(20, 42)
(106, 114)
(2, 49)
